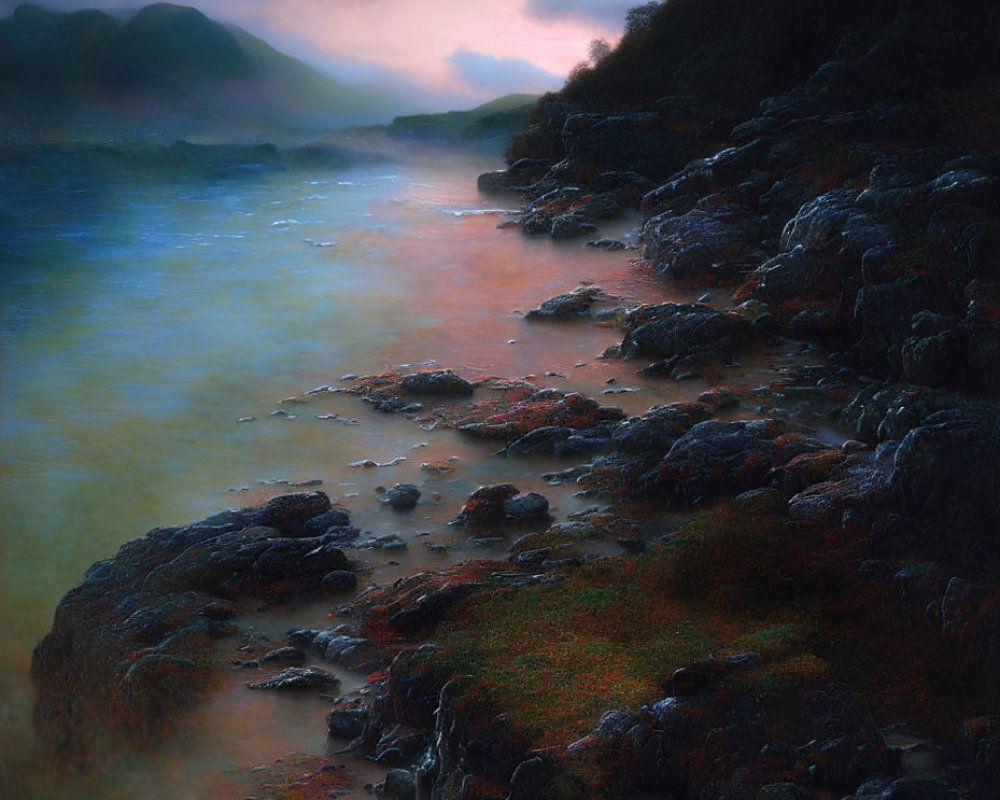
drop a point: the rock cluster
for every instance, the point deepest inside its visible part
(131, 645)
(852, 212)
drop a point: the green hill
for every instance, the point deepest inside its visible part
(492, 123)
(168, 69)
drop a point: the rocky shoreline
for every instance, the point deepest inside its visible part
(820, 621)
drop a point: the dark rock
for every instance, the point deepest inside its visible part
(486, 504)
(532, 558)
(531, 778)
(301, 637)
(399, 746)
(672, 329)
(162, 685)
(285, 655)
(566, 306)
(931, 479)
(547, 407)
(299, 679)
(339, 580)
(441, 381)
(920, 587)
(516, 178)
(218, 611)
(334, 518)
(289, 513)
(970, 617)
(550, 439)
(430, 608)
(399, 784)
(393, 404)
(884, 315)
(347, 723)
(819, 223)
(607, 244)
(597, 207)
(402, 496)
(717, 458)
(981, 743)
(614, 724)
(915, 788)
(783, 791)
(590, 440)
(658, 428)
(795, 275)
(810, 468)
(298, 559)
(333, 644)
(390, 541)
(697, 678)
(536, 223)
(931, 360)
(526, 507)
(570, 226)
(693, 245)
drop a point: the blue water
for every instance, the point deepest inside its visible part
(142, 315)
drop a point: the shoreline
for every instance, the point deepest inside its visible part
(739, 608)
(722, 402)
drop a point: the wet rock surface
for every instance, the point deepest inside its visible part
(298, 679)
(133, 643)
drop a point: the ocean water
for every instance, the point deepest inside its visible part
(151, 326)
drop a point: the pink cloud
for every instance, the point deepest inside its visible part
(418, 37)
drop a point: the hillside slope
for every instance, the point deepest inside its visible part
(168, 68)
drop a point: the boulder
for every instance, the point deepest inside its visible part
(299, 679)
(289, 513)
(714, 245)
(402, 496)
(717, 458)
(683, 329)
(336, 518)
(526, 507)
(438, 381)
(566, 306)
(932, 479)
(658, 428)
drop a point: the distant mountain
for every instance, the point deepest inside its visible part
(492, 123)
(166, 68)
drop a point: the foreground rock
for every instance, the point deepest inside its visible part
(132, 645)
(502, 504)
(299, 679)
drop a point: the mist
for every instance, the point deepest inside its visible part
(424, 56)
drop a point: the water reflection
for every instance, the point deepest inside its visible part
(142, 318)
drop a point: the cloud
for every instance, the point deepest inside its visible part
(487, 73)
(607, 13)
(438, 46)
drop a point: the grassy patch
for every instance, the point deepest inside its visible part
(554, 657)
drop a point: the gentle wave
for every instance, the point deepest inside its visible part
(475, 212)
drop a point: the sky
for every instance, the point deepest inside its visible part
(448, 49)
